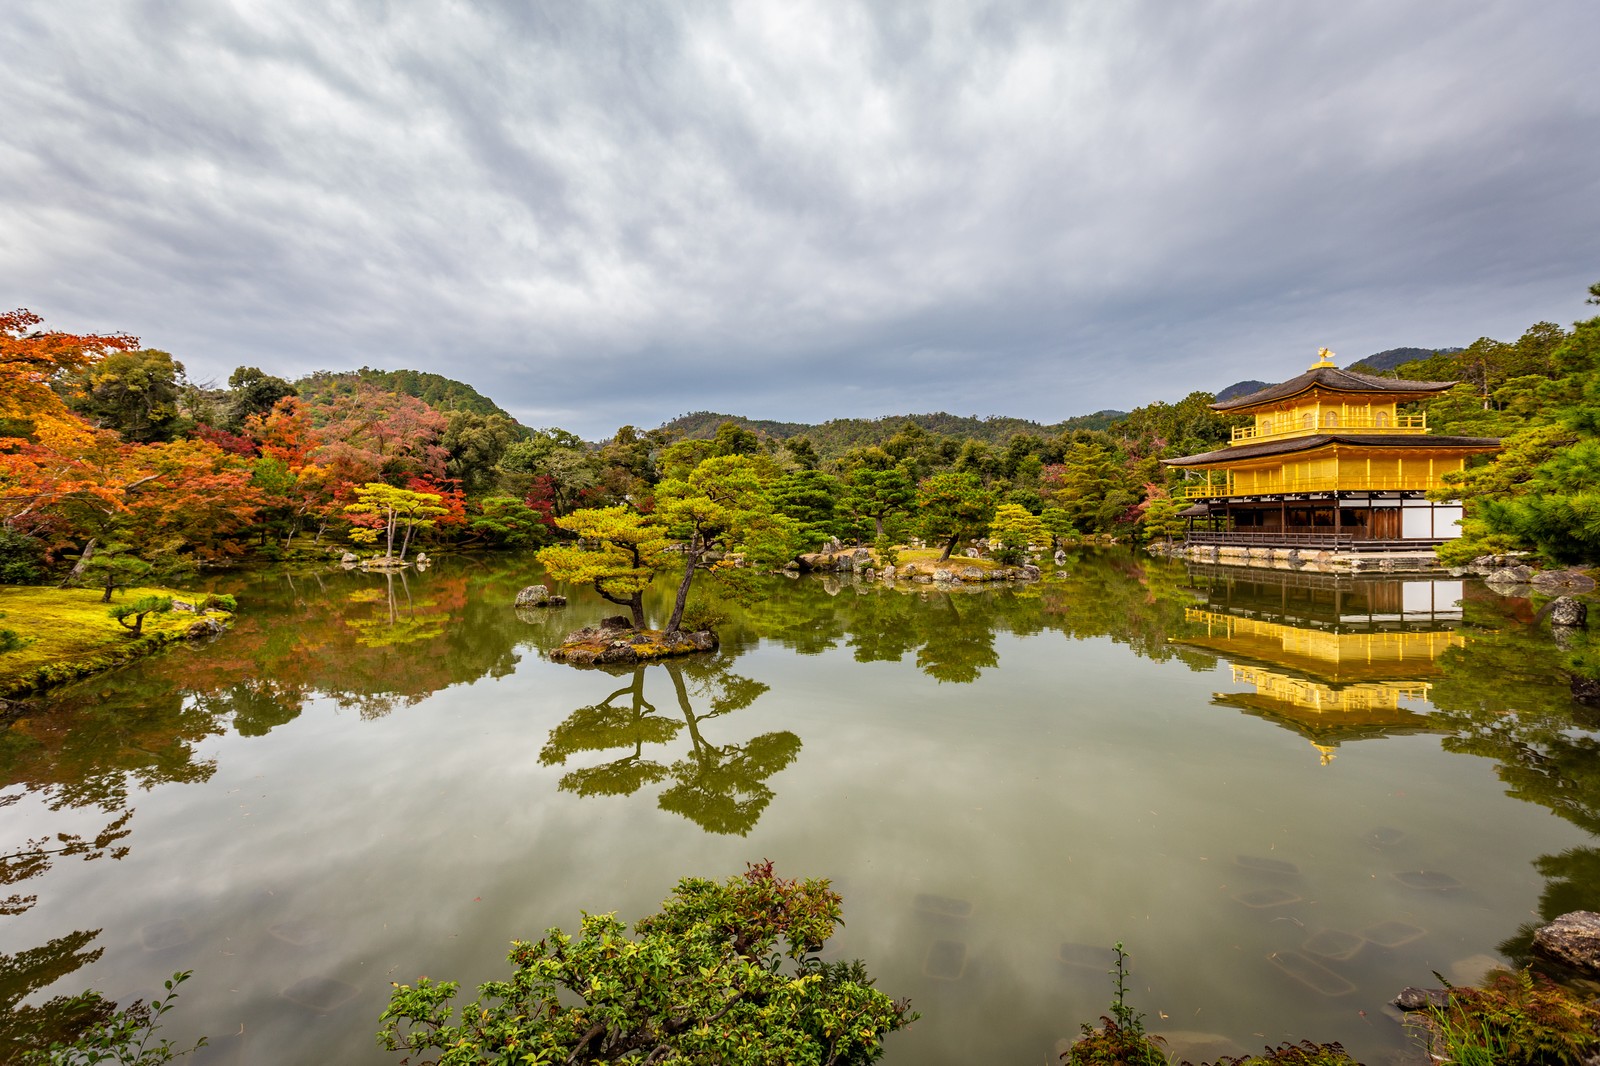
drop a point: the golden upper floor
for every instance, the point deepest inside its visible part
(1326, 399)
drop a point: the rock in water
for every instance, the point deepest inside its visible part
(1566, 611)
(1574, 939)
(1412, 998)
(539, 596)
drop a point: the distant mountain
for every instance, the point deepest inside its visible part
(1240, 388)
(1393, 357)
(837, 436)
(436, 390)
(1376, 363)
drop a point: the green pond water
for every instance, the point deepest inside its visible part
(1288, 795)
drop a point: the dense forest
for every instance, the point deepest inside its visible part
(114, 466)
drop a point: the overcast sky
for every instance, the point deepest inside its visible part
(616, 213)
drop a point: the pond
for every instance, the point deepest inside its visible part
(1288, 795)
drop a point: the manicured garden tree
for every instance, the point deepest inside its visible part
(702, 981)
(618, 552)
(137, 610)
(1014, 530)
(952, 507)
(507, 522)
(809, 498)
(722, 504)
(392, 510)
(112, 564)
(878, 493)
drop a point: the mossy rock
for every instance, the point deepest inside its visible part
(69, 634)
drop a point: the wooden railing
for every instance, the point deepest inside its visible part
(1279, 486)
(1298, 427)
(1320, 541)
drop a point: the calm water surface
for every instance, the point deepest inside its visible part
(1289, 796)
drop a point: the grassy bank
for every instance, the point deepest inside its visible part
(68, 634)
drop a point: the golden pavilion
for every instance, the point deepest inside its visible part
(1331, 462)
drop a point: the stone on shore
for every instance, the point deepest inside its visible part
(1574, 939)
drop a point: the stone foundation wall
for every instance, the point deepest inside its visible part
(1421, 561)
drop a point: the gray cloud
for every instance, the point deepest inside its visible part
(601, 214)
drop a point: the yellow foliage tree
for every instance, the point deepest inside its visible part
(618, 553)
(393, 509)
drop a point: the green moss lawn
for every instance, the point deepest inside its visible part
(74, 637)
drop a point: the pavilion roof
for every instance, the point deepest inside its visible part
(1290, 445)
(1334, 380)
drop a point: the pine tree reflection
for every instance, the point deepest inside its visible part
(720, 787)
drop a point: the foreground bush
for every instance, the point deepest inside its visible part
(699, 982)
(1515, 1019)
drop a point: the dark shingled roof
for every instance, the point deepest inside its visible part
(1289, 445)
(1335, 380)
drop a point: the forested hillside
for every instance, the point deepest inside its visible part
(835, 437)
(113, 463)
(439, 392)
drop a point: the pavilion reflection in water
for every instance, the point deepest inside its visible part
(1333, 657)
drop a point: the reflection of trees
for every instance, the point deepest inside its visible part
(58, 1019)
(1506, 698)
(957, 649)
(1117, 595)
(35, 857)
(720, 787)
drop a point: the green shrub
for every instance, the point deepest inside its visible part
(701, 981)
(21, 559)
(123, 1037)
(1120, 1040)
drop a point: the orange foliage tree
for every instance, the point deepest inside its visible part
(47, 453)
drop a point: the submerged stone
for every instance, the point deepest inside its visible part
(321, 994)
(158, 936)
(1189, 1045)
(1087, 955)
(1385, 837)
(1311, 973)
(298, 933)
(1428, 880)
(946, 961)
(1392, 934)
(1261, 898)
(1333, 944)
(1473, 969)
(943, 906)
(1265, 865)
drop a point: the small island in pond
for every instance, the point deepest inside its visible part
(616, 641)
